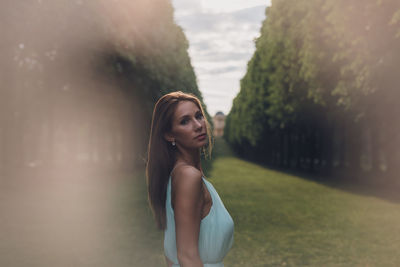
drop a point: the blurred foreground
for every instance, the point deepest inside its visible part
(77, 218)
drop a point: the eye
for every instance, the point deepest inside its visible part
(199, 115)
(184, 121)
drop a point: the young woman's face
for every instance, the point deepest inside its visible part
(188, 126)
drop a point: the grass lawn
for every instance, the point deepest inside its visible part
(283, 220)
(280, 220)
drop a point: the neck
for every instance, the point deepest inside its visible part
(190, 157)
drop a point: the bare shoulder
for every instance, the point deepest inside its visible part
(187, 191)
(187, 178)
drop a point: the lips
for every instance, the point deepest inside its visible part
(201, 135)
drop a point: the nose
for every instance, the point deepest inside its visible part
(198, 125)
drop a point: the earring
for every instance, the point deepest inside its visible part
(173, 143)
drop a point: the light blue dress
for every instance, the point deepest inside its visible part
(216, 231)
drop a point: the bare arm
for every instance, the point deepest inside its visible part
(188, 201)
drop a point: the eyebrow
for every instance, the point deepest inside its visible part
(185, 116)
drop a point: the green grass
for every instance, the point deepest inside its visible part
(284, 220)
(280, 220)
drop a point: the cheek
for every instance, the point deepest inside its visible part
(182, 132)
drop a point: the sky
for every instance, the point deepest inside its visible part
(221, 37)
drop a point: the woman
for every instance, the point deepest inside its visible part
(198, 230)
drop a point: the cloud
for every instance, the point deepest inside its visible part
(216, 71)
(196, 20)
(186, 7)
(220, 45)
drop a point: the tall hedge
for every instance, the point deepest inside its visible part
(80, 79)
(320, 91)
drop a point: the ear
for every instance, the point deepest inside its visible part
(169, 137)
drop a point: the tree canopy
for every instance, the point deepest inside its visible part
(319, 61)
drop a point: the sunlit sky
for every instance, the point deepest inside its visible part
(220, 34)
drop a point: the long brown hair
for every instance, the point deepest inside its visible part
(161, 153)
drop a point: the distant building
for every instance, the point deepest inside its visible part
(219, 124)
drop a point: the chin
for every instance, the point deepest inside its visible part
(200, 145)
(203, 143)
